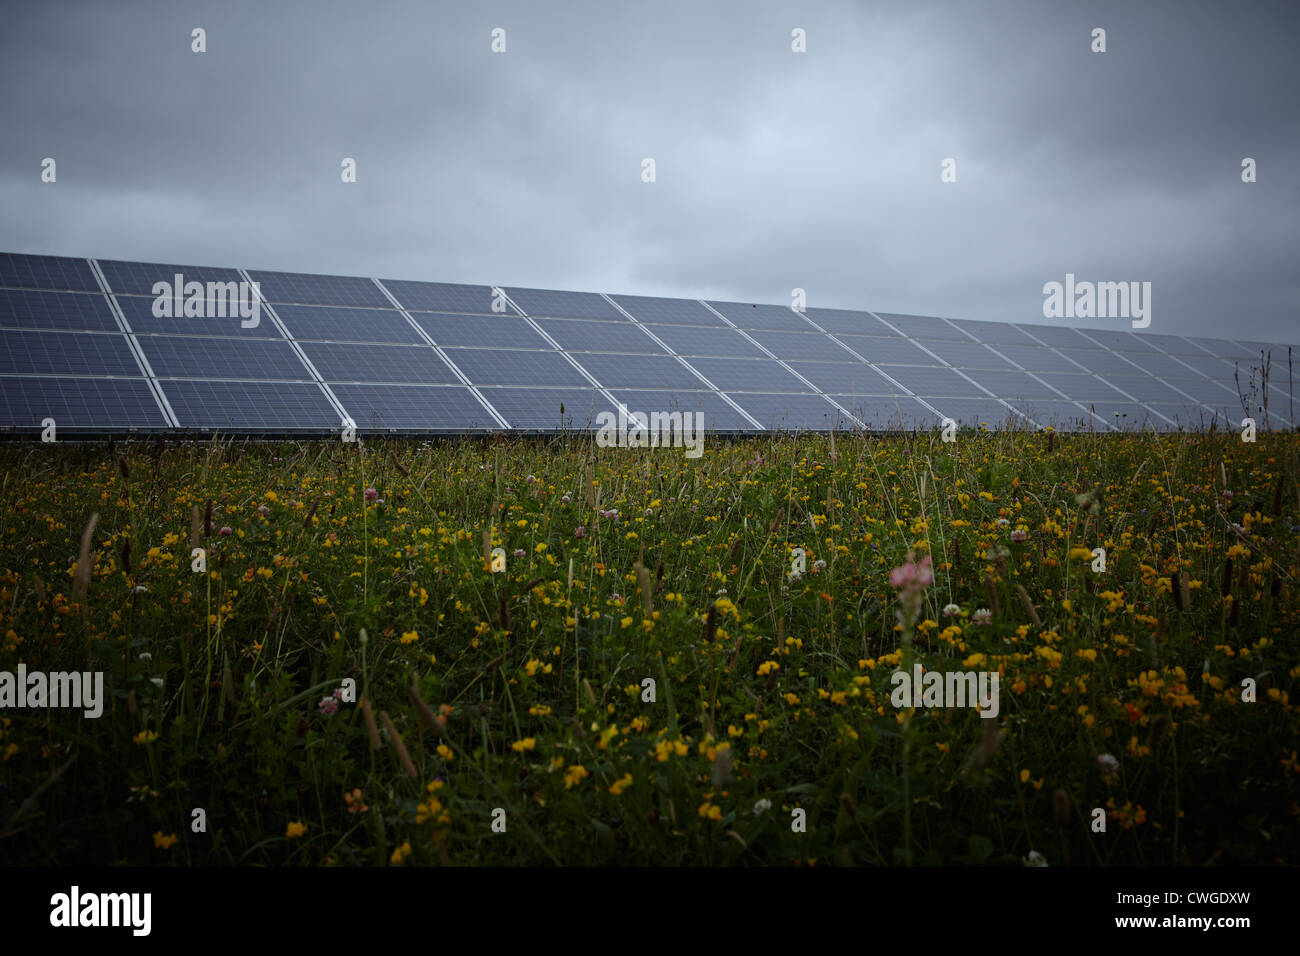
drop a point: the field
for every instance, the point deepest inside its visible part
(656, 676)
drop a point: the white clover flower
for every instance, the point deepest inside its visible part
(1035, 859)
(951, 610)
(819, 565)
(1108, 763)
(795, 577)
(762, 806)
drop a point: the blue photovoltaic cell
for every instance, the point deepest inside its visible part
(333, 324)
(78, 403)
(923, 326)
(548, 409)
(1036, 359)
(1211, 367)
(69, 311)
(306, 289)
(852, 323)
(252, 405)
(976, 412)
(514, 368)
(844, 379)
(1170, 344)
(387, 364)
(994, 333)
(1145, 388)
(967, 355)
(751, 316)
(1014, 384)
(433, 407)
(1058, 414)
(877, 413)
(688, 340)
(1124, 415)
(564, 305)
(1120, 341)
(46, 272)
(1081, 386)
(138, 278)
(174, 356)
(891, 351)
(793, 412)
(1055, 335)
(646, 308)
(718, 415)
(584, 335)
(66, 353)
(480, 331)
(638, 371)
(1223, 349)
(444, 297)
(1165, 366)
(138, 312)
(812, 345)
(749, 375)
(942, 382)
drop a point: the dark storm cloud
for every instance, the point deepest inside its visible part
(774, 170)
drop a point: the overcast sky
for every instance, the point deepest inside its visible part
(774, 169)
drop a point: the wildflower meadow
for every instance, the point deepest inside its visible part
(542, 651)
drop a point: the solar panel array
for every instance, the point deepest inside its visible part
(82, 342)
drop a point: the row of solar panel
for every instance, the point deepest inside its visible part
(820, 378)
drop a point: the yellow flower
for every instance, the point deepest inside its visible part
(710, 811)
(410, 637)
(767, 667)
(446, 752)
(165, 842)
(621, 784)
(573, 776)
(145, 737)
(1024, 776)
(401, 853)
(295, 830)
(528, 743)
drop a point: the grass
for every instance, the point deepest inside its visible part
(527, 690)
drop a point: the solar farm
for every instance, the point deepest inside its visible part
(346, 577)
(86, 347)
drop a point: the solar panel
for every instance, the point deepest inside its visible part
(306, 289)
(892, 351)
(334, 324)
(751, 316)
(718, 415)
(446, 297)
(638, 371)
(802, 345)
(66, 353)
(757, 375)
(419, 407)
(46, 272)
(975, 412)
(878, 413)
(505, 367)
(852, 323)
(370, 343)
(548, 409)
(250, 405)
(942, 382)
(994, 333)
(78, 403)
(139, 278)
(567, 305)
(967, 355)
(386, 364)
(584, 335)
(924, 326)
(792, 412)
(645, 308)
(844, 378)
(477, 331)
(688, 340)
(175, 356)
(68, 311)
(138, 312)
